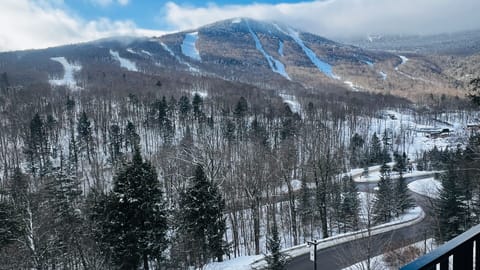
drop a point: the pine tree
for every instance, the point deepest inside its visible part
(132, 217)
(197, 104)
(382, 204)
(203, 223)
(85, 138)
(403, 200)
(375, 150)
(275, 259)
(350, 204)
(450, 208)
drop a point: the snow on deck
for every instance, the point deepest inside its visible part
(429, 187)
(292, 102)
(274, 64)
(321, 65)
(69, 70)
(188, 46)
(124, 63)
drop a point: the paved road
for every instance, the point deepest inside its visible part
(343, 255)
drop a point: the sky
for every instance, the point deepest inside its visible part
(26, 24)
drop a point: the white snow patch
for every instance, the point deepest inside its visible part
(429, 187)
(188, 46)
(124, 63)
(292, 102)
(296, 186)
(352, 85)
(202, 94)
(383, 74)
(146, 52)
(68, 73)
(130, 50)
(236, 20)
(239, 263)
(190, 67)
(404, 61)
(274, 64)
(280, 48)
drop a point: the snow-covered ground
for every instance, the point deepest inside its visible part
(352, 86)
(124, 63)
(189, 46)
(383, 74)
(190, 67)
(429, 187)
(292, 102)
(375, 176)
(280, 48)
(202, 94)
(404, 61)
(275, 65)
(378, 262)
(239, 263)
(69, 70)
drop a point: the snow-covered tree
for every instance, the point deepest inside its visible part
(132, 217)
(203, 225)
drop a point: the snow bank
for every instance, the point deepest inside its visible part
(429, 187)
(69, 69)
(124, 63)
(239, 263)
(274, 64)
(188, 46)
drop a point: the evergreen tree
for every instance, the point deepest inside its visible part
(132, 217)
(350, 204)
(197, 103)
(403, 200)
(375, 150)
(184, 107)
(203, 223)
(275, 259)
(450, 208)
(382, 204)
(132, 139)
(85, 137)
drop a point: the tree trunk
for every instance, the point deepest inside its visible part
(145, 261)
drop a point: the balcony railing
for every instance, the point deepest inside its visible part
(463, 249)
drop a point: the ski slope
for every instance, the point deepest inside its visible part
(124, 63)
(275, 65)
(189, 48)
(324, 67)
(69, 70)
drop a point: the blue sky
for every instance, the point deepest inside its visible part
(145, 13)
(44, 23)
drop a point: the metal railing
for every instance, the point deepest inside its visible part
(461, 252)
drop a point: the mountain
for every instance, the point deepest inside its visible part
(263, 54)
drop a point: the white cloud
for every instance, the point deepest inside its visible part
(336, 18)
(27, 24)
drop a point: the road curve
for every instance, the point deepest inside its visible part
(346, 254)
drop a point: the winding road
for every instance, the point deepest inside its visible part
(346, 254)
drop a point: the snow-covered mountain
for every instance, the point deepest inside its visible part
(259, 53)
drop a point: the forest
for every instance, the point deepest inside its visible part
(165, 177)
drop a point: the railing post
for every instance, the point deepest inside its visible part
(463, 256)
(477, 253)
